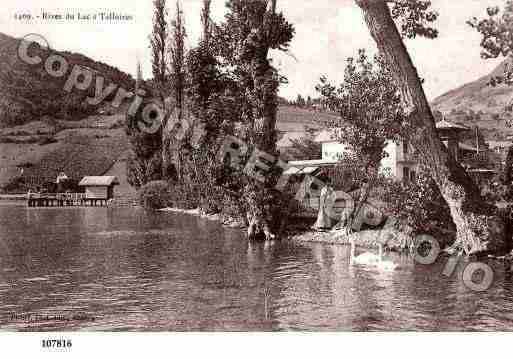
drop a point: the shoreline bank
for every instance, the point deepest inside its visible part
(369, 239)
(225, 221)
(365, 239)
(393, 240)
(13, 197)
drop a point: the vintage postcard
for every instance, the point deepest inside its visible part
(255, 166)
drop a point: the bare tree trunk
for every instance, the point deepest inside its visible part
(478, 226)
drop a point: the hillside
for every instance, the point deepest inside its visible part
(91, 146)
(477, 103)
(28, 92)
(293, 119)
(45, 130)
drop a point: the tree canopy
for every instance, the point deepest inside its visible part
(496, 29)
(369, 105)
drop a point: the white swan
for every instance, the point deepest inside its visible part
(371, 259)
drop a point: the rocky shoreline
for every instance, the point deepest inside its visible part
(365, 239)
(369, 239)
(397, 242)
(393, 240)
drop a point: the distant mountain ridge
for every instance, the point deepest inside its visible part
(28, 93)
(479, 104)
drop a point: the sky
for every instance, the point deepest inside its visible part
(327, 33)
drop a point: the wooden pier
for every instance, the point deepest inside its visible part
(64, 200)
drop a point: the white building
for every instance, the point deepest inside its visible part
(399, 163)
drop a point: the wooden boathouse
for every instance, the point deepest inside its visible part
(98, 190)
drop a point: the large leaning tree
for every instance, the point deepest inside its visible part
(479, 227)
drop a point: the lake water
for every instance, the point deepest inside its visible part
(125, 269)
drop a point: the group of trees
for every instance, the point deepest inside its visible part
(479, 226)
(226, 85)
(230, 69)
(371, 114)
(307, 102)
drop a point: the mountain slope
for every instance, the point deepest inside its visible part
(28, 92)
(477, 103)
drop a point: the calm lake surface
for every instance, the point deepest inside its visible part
(125, 269)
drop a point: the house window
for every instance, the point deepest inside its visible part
(413, 176)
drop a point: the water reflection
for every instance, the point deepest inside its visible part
(125, 269)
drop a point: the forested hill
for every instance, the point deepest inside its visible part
(477, 103)
(28, 93)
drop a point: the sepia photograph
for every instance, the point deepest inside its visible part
(329, 166)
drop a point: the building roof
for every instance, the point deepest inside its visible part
(300, 171)
(481, 170)
(328, 135)
(466, 147)
(312, 163)
(286, 140)
(94, 181)
(447, 125)
(308, 166)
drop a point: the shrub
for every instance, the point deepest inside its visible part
(419, 205)
(186, 196)
(15, 185)
(26, 165)
(155, 195)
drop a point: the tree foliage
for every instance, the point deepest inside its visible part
(414, 18)
(252, 28)
(370, 115)
(303, 149)
(420, 206)
(496, 41)
(177, 54)
(479, 227)
(159, 43)
(370, 108)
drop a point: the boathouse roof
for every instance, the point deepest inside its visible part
(98, 181)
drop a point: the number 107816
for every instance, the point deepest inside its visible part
(56, 343)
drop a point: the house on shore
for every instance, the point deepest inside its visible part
(99, 187)
(400, 162)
